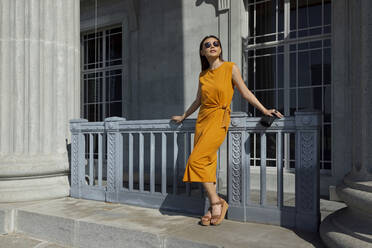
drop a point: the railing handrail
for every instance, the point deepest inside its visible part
(112, 131)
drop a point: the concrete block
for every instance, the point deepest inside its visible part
(333, 194)
(171, 242)
(51, 246)
(2, 221)
(7, 217)
(95, 235)
(47, 227)
(83, 223)
(18, 241)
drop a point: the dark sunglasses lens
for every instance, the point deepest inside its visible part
(207, 45)
(216, 44)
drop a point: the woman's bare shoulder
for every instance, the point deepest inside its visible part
(232, 63)
(234, 66)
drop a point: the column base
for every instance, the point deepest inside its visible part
(351, 226)
(34, 189)
(30, 178)
(346, 229)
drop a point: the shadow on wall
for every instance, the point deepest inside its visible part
(211, 2)
(160, 60)
(153, 54)
(68, 148)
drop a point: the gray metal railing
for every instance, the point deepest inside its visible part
(143, 160)
(304, 214)
(142, 163)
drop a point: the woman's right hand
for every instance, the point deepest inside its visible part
(273, 112)
(177, 118)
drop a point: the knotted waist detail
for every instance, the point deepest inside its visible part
(226, 114)
(227, 111)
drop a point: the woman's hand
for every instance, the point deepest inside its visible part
(178, 118)
(272, 112)
(194, 106)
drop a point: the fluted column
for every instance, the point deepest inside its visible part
(352, 226)
(39, 93)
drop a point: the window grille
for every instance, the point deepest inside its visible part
(287, 65)
(102, 74)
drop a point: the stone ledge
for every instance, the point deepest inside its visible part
(97, 232)
(84, 223)
(6, 221)
(8, 215)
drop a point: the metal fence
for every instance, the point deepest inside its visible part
(142, 162)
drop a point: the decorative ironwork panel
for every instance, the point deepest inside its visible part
(307, 171)
(111, 154)
(74, 159)
(236, 170)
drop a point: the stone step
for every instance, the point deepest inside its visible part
(345, 228)
(16, 240)
(356, 198)
(8, 215)
(358, 184)
(84, 223)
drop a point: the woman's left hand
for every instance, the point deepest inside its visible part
(272, 112)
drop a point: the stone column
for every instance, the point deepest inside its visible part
(352, 226)
(39, 93)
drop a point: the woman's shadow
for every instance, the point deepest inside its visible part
(186, 199)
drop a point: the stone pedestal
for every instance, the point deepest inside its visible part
(39, 93)
(352, 226)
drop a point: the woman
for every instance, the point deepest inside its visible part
(215, 92)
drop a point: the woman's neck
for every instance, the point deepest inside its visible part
(215, 63)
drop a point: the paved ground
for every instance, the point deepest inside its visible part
(83, 223)
(16, 240)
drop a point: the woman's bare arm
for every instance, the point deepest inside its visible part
(193, 107)
(248, 95)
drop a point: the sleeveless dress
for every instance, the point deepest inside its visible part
(212, 123)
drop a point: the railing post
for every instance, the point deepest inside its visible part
(77, 157)
(307, 170)
(238, 166)
(114, 158)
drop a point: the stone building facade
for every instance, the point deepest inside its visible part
(139, 59)
(288, 52)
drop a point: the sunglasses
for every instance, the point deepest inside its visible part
(215, 44)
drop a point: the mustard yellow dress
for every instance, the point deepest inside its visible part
(212, 123)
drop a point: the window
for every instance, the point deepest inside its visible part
(102, 72)
(287, 62)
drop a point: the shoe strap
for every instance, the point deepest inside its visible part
(216, 203)
(220, 202)
(205, 216)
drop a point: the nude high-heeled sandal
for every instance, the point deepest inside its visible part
(206, 220)
(217, 219)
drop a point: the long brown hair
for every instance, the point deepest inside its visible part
(203, 60)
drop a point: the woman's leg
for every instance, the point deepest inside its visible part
(213, 198)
